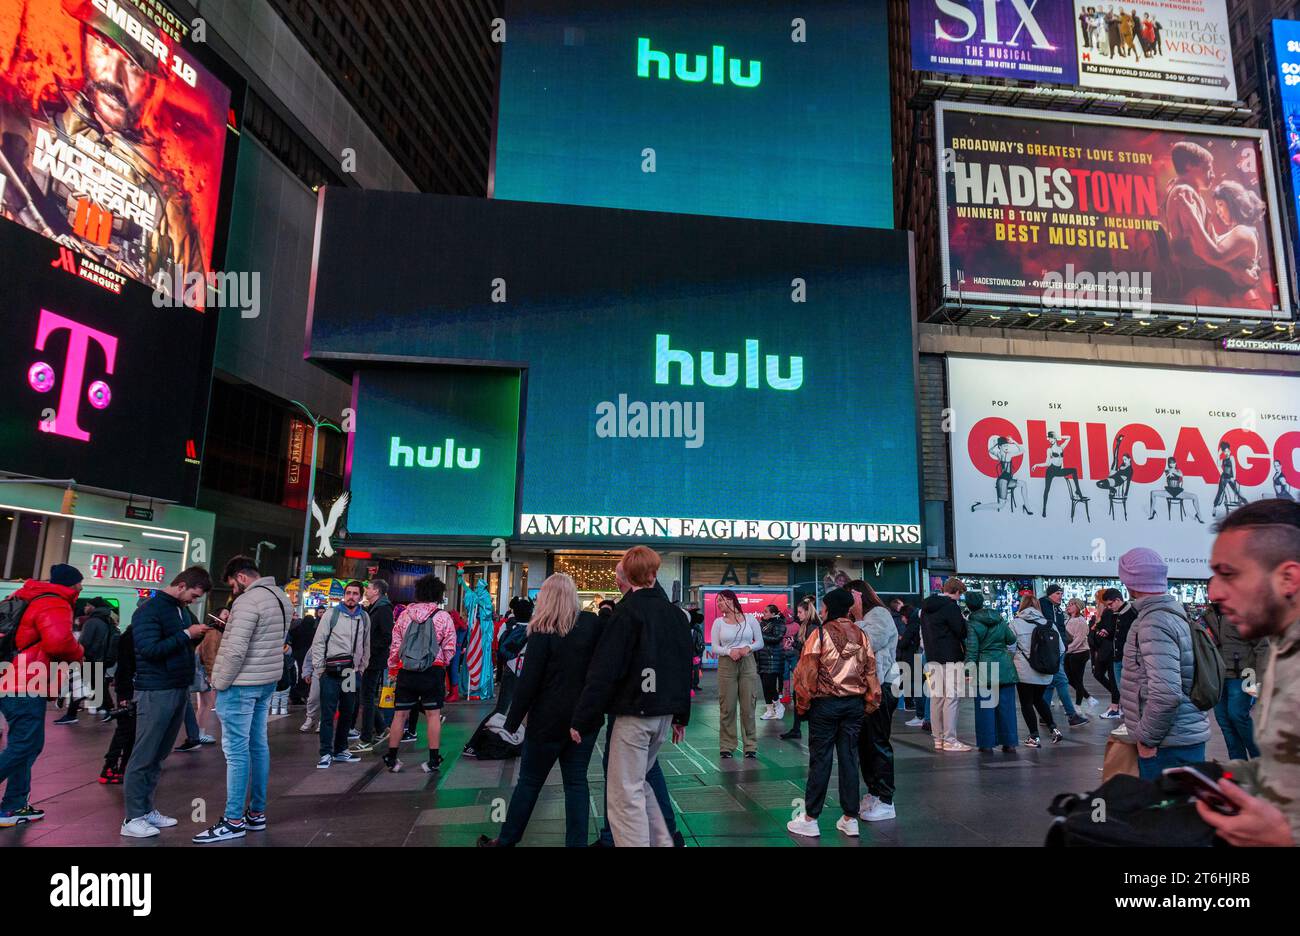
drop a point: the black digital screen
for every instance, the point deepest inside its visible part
(99, 385)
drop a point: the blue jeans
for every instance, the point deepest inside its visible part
(1233, 715)
(535, 765)
(26, 739)
(996, 724)
(655, 777)
(243, 711)
(192, 731)
(1061, 683)
(1150, 768)
(1119, 671)
(454, 671)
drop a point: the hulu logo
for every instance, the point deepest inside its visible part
(666, 356)
(722, 68)
(437, 456)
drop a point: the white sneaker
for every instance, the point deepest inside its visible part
(308, 725)
(139, 828)
(780, 710)
(158, 820)
(914, 722)
(804, 826)
(868, 803)
(354, 735)
(847, 825)
(1121, 730)
(769, 713)
(324, 763)
(1092, 702)
(879, 812)
(956, 746)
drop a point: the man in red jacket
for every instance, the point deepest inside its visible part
(44, 638)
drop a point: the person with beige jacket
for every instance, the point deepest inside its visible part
(250, 661)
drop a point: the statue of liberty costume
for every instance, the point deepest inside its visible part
(476, 676)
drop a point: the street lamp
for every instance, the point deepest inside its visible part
(317, 424)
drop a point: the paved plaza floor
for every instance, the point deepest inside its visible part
(943, 799)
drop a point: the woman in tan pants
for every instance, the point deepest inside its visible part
(735, 637)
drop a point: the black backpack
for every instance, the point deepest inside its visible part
(1045, 649)
(110, 645)
(1125, 812)
(12, 610)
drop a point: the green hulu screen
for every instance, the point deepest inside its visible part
(435, 451)
(776, 111)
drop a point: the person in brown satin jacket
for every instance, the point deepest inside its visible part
(837, 675)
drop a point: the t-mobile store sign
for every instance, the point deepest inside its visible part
(126, 569)
(125, 555)
(1058, 469)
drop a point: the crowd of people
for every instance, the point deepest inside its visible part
(628, 673)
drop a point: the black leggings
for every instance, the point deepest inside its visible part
(1105, 674)
(1075, 664)
(771, 686)
(1031, 701)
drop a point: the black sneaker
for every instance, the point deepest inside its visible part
(726, 755)
(751, 755)
(188, 746)
(408, 737)
(66, 720)
(432, 766)
(20, 816)
(255, 823)
(485, 842)
(1076, 720)
(223, 831)
(1057, 736)
(793, 734)
(679, 840)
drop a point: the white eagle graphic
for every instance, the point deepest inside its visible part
(326, 526)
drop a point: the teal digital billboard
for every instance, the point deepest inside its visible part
(687, 379)
(776, 110)
(434, 451)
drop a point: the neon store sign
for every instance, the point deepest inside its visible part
(126, 569)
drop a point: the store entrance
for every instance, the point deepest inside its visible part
(593, 575)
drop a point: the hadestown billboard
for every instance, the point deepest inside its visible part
(1059, 468)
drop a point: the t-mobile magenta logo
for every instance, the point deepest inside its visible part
(42, 377)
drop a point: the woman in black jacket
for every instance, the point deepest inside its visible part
(561, 641)
(771, 662)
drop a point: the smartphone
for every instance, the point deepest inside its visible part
(216, 623)
(1192, 782)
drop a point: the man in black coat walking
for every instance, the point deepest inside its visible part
(640, 673)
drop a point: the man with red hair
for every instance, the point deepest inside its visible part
(641, 674)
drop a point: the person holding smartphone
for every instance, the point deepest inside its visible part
(164, 653)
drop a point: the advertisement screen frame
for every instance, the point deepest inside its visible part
(1266, 173)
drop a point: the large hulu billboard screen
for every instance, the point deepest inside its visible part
(687, 379)
(776, 110)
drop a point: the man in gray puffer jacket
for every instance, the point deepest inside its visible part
(1158, 671)
(249, 663)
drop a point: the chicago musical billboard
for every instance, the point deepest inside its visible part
(1059, 468)
(1087, 212)
(114, 136)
